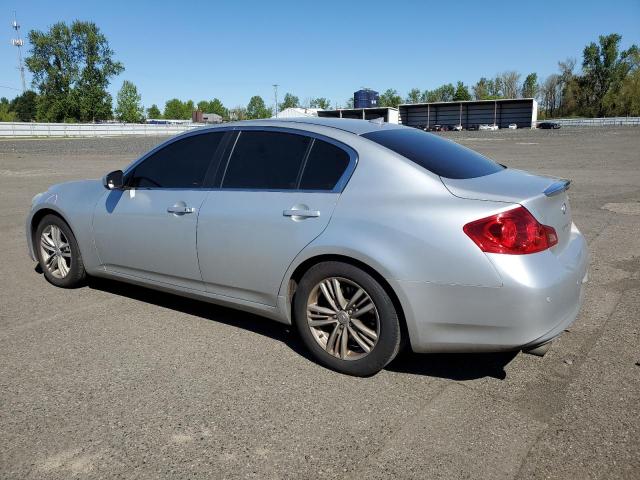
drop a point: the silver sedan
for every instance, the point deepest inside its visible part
(366, 236)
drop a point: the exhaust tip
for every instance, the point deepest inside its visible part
(538, 351)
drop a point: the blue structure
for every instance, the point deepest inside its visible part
(365, 98)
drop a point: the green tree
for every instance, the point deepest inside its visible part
(349, 103)
(481, 89)
(213, 106)
(289, 101)
(530, 86)
(238, 113)
(413, 96)
(320, 102)
(24, 106)
(154, 112)
(569, 88)
(174, 109)
(496, 88)
(604, 69)
(443, 93)
(629, 95)
(6, 114)
(129, 107)
(461, 93)
(257, 109)
(72, 67)
(55, 70)
(390, 98)
(97, 67)
(187, 109)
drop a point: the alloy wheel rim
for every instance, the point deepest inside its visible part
(342, 318)
(56, 251)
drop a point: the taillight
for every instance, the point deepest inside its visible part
(514, 232)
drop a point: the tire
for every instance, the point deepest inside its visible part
(350, 313)
(54, 248)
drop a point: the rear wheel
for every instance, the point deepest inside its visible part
(58, 253)
(346, 319)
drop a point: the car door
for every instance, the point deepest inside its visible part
(148, 229)
(277, 193)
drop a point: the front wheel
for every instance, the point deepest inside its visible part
(346, 319)
(58, 253)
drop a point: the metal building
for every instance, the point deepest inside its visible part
(389, 115)
(503, 112)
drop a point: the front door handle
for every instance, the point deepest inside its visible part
(301, 213)
(180, 209)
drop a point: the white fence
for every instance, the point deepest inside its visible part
(595, 122)
(24, 129)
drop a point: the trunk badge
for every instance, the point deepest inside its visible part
(564, 208)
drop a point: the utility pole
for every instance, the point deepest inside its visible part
(275, 93)
(17, 42)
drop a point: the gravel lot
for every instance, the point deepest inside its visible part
(117, 381)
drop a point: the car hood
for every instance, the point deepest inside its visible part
(75, 184)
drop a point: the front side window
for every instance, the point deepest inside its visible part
(266, 160)
(324, 167)
(181, 164)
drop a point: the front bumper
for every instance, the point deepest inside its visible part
(540, 296)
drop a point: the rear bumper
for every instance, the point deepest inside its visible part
(540, 296)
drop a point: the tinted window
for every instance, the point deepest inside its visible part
(324, 167)
(442, 157)
(181, 164)
(267, 160)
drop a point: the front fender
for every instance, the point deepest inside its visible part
(74, 202)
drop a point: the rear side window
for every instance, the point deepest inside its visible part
(266, 160)
(442, 157)
(181, 164)
(325, 165)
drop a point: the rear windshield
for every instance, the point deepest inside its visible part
(442, 157)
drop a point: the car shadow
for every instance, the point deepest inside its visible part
(454, 366)
(451, 366)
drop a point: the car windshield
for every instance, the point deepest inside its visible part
(442, 157)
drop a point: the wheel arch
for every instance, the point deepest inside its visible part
(35, 220)
(298, 272)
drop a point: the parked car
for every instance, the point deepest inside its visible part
(364, 236)
(457, 128)
(473, 127)
(513, 126)
(549, 125)
(436, 128)
(488, 127)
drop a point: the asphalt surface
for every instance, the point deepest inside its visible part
(115, 381)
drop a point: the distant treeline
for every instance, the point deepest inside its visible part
(72, 66)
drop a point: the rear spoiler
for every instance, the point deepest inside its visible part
(557, 187)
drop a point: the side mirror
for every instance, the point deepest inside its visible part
(113, 180)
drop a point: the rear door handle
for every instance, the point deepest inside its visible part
(180, 210)
(301, 213)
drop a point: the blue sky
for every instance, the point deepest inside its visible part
(235, 49)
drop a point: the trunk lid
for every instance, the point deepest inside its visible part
(517, 186)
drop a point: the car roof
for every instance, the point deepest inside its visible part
(357, 127)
